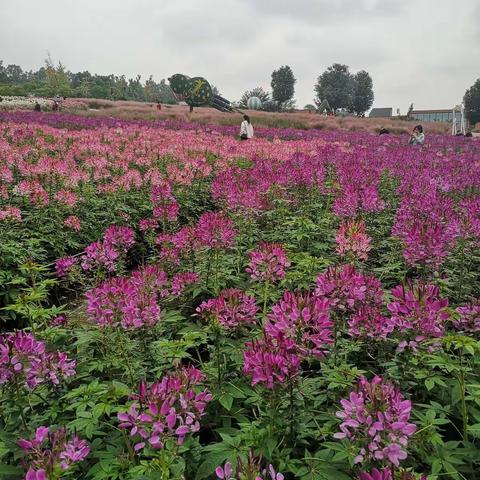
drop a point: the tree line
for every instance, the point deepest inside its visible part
(351, 92)
(51, 79)
(336, 86)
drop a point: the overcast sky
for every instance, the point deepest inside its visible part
(421, 51)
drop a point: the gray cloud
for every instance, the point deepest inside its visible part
(422, 52)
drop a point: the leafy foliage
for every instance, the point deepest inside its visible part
(283, 85)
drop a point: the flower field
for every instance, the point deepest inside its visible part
(177, 304)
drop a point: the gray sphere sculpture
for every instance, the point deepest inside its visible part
(254, 103)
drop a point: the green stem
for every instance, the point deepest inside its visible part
(292, 408)
(265, 299)
(218, 354)
(125, 357)
(217, 258)
(209, 268)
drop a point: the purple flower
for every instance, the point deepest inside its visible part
(215, 230)
(129, 302)
(25, 358)
(375, 474)
(224, 472)
(271, 363)
(375, 420)
(302, 319)
(268, 263)
(231, 309)
(168, 408)
(64, 265)
(51, 450)
(468, 317)
(418, 311)
(348, 290)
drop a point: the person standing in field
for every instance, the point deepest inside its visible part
(246, 128)
(417, 137)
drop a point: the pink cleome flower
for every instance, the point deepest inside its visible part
(169, 408)
(25, 359)
(303, 319)
(468, 317)
(64, 265)
(347, 290)
(231, 309)
(270, 363)
(268, 262)
(352, 240)
(418, 311)
(215, 230)
(11, 213)
(375, 420)
(129, 302)
(72, 222)
(51, 451)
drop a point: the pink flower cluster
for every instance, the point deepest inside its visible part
(468, 317)
(285, 168)
(427, 224)
(105, 253)
(129, 302)
(418, 310)
(347, 290)
(357, 197)
(268, 263)
(117, 240)
(369, 322)
(181, 281)
(24, 359)
(215, 230)
(147, 224)
(352, 240)
(269, 363)
(168, 408)
(298, 328)
(66, 197)
(301, 320)
(165, 205)
(11, 213)
(231, 309)
(386, 474)
(50, 451)
(251, 470)
(174, 247)
(72, 222)
(375, 419)
(64, 266)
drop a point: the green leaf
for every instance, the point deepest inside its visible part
(9, 470)
(226, 401)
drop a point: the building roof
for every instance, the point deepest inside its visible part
(443, 110)
(381, 112)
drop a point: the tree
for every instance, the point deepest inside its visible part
(410, 110)
(258, 92)
(363, 92)
(337, 86)
(471, 100)
(57, 81)
(135, 89)
(166, 93)
(283, 85)
(310, 107)
(151, 90)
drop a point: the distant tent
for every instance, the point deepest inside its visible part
(380, 112)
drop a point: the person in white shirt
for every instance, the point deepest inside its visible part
(246, 128)
(417, 137)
